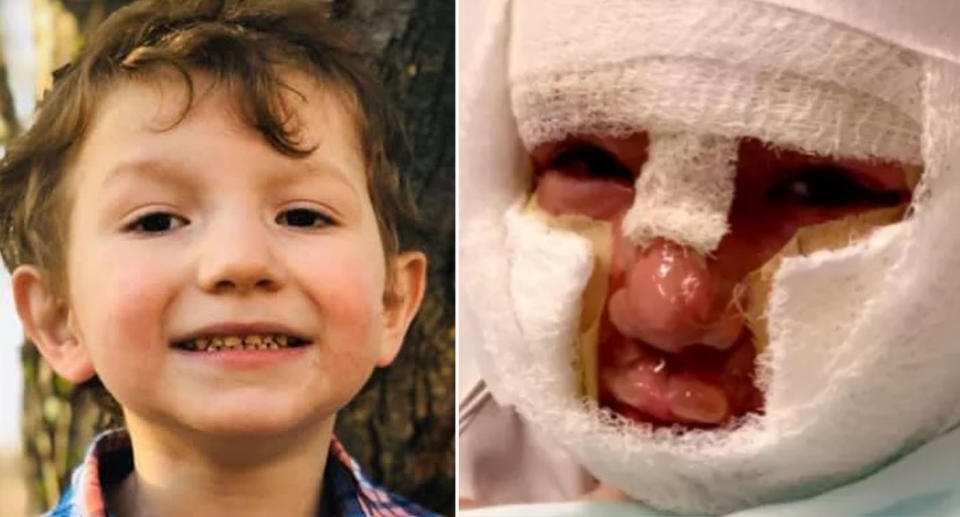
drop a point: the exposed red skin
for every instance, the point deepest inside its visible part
(575, 191)
(592, 197)
(670, 298)
(673, 347)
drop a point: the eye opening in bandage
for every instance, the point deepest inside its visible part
(830, 185)
(612, 156)
(584, 159)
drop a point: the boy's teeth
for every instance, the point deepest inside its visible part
(251, 342)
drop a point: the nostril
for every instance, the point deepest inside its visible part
(265, 284)
(227, 285)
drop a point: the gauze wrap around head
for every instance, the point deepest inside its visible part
(863, 362)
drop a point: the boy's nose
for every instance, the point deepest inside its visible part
(240, 261)
(670, 300)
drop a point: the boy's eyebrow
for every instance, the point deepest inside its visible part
(162, 170)
(168, 171)
(304, 169)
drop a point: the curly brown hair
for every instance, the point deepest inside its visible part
(244, 45)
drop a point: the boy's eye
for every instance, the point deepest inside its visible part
(304, 218)
(829, 186)
(591, 161)
(157, 222)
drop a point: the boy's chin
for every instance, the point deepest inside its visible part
(263, 418)
(256, 425)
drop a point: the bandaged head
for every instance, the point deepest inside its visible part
(837, 333)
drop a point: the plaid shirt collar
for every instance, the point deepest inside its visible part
(347, 492)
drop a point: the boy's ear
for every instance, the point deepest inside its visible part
(48, 324)
(402, 301)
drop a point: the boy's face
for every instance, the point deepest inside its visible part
(679, 331)
(202, 228)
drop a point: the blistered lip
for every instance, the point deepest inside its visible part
(699, 386)
(223, 329)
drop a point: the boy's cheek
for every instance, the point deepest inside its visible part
(122, 295)
(347, 358)
(122, 331)
(348, 368)
(349, 299)
(345, 283)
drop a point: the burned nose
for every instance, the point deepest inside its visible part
(670, 300)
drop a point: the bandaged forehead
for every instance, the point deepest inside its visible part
(733, 68)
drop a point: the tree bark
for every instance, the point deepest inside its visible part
(400, 427)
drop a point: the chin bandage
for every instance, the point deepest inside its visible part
(860, 362)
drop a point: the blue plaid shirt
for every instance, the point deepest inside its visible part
(347, 492)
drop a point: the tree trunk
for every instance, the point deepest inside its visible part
(400, 427)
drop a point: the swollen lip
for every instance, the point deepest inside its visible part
(700, 386)
(650, 387)
(695, 401)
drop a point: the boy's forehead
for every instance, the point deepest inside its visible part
(146, 125)
(158, 101)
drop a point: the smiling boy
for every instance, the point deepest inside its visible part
(204, 217)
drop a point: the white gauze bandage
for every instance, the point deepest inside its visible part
(728, 68)
(863, 358)
(684, 191)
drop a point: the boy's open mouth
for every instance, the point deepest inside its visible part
(217, 343)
